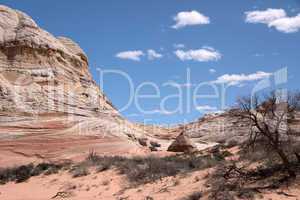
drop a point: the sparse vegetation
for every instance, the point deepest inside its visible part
(79, 171)
(137, 169)
(232, 179)
(149, 169)
(270, 117)
(224, 182)
(231, 143)
(46, 168)
(106, 182)
(155, 144)
(24, 172)
(153, 148)
(272, 146)
(221, 141)
(142, 141)
(194, 196)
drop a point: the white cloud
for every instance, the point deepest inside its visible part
(152, 54)
(190, 18)
(163, 111)
(201, 55)
(212, 71)
(276, 18)
(239, 79)
(179, 46)
(206, 108)
(265, 16)
(287, 24)
(130, 55)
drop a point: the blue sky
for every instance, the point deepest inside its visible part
(222, 43)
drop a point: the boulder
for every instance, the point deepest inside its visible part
(182, 144)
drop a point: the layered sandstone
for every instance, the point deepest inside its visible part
(41, 74)
(49, 104)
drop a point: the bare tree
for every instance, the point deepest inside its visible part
(270, 118)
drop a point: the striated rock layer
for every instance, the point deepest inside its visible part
(49, 104)
(41, 74)
(50, 107)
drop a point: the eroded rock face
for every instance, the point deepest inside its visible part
(217, 127)
(41, 74)
(46, 86)
(50, 107)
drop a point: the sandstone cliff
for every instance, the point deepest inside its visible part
(49, 104)
(41, 74)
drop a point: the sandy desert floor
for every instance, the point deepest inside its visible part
(111, 185)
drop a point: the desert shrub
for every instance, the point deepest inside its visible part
(23, 173)
(226, 154)
(220, 187)
(142, 141)
(17, 174)
(269, 116)
(101, 168)
(149, 169)
(229, 181)
(232, 143)
(155, 144)
(221, 141)
(259, 155)
(103, 162)
(7, 175)
(194, 196)
(217, 153)
(79, 171)
(53, 170)
(40, 168)
(106, 182)
(152, 148)
(46, 168)
(92, 157)
(245, 193)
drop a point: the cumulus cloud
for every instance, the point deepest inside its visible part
(152, 54)
(190, 18)
(130, 55)
(265, 16)
(276, 18)
(287, 24)
(212, 71)
(201, 55)
(238, 79)
(179, 46)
